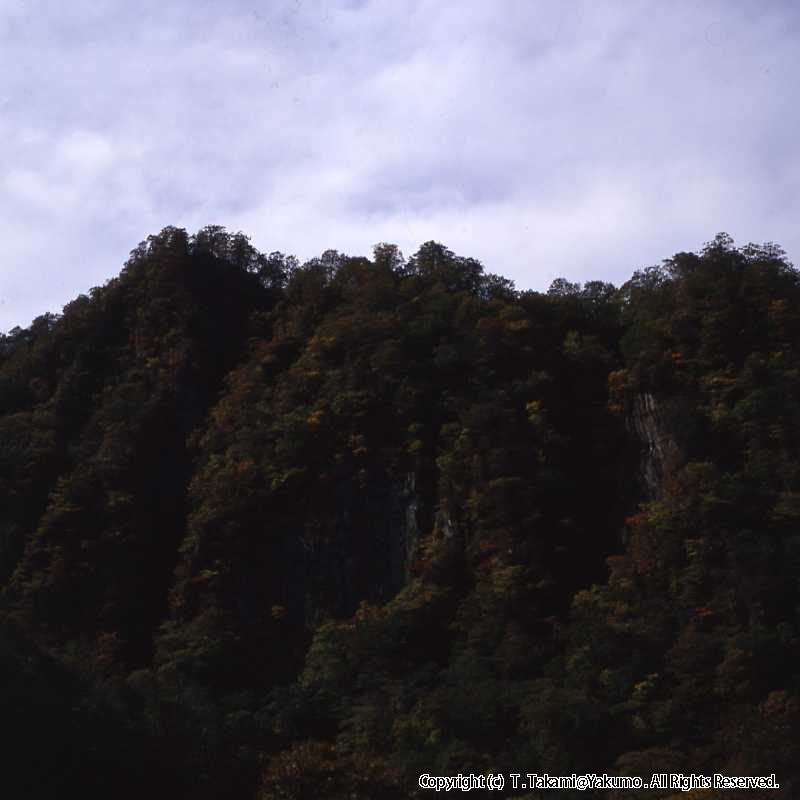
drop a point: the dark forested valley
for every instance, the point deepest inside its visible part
(282, 532)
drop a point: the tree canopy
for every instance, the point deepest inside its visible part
(292, 531)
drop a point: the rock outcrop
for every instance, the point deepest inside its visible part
(658, 445)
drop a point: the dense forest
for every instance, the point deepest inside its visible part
(282, 532)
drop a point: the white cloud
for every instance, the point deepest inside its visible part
(583, 139)
(86, 151)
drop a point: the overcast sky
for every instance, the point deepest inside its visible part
(547, 139)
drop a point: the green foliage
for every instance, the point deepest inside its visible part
(311, 531)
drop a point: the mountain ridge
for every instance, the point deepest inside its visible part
(301, 521)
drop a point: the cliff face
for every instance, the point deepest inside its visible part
(658, 445)
(362, 552)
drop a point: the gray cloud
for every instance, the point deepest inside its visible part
(583, 139)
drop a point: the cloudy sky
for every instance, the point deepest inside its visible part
(547, 139)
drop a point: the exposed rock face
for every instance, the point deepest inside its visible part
(362, 553)
(444, 527)
(410, 533)
(658, 444)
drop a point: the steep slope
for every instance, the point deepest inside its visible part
(379, 403)
(98, 406)
(62, 735)
(316, 530)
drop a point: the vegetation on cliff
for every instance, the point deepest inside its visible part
(283, 531)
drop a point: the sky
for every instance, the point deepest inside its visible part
(547, 139)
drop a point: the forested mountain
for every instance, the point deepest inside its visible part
(289, 531)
